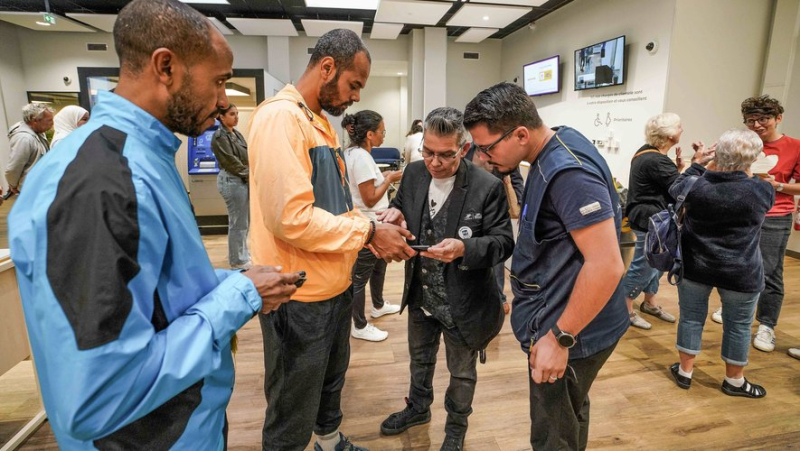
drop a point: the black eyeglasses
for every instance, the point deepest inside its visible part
(488, 148)
(763, 120)
(442, 157)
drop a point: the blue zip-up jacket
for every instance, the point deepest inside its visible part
(129, 324)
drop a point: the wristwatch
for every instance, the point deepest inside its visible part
(779, 188)
(565, 339)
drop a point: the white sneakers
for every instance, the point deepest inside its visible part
(717, 316)
(387, 309)
(369, 333)
(765, 339)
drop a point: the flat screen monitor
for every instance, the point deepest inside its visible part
(542, 77)
(600, 65)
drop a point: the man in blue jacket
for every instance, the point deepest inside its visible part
(130, 325)
(569, 312)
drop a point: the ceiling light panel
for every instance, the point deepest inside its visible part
(28, 20)
(220, 26)
(103, 22)
(317, 28)
(345, 4)
(475, 35)
(512, 2)
(411, 12)
(264, 27)
(487, 16)
(385, 30)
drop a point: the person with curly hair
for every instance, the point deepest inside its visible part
(763, 115)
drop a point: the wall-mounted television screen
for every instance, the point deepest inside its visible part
(542, 77)
(601, 64)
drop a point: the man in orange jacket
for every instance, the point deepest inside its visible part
(303, 219)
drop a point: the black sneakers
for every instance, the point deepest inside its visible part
(452, 443)
(400, 421)
(682, 381)
(747, 390)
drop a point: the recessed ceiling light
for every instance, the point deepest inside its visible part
(207, 2)
(485, 17)
(43, 24)
(346, 4)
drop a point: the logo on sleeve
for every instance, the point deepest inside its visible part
(591, 208)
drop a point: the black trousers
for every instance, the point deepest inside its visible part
(560, 411)
(423, 343)
(306, 354)
(368, 268)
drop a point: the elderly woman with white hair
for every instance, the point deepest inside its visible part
(724, 211)
(652, 173)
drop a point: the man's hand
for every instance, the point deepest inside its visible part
(448, 250)
(274, 287)
(703, 155)
(389, 242)
(548, 360)
(393, 216)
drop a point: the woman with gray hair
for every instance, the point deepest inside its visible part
(720, 241)
(652, 173)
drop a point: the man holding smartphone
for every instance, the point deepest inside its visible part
(460, 213)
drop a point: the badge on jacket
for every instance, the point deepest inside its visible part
(465, 232)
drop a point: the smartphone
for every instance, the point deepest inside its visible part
(299, 283)
(419, 247)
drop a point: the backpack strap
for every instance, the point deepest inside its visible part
(685, 192)
(642, 153)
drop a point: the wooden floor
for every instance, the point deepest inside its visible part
(635, 403)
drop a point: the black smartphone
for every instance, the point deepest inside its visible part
(419, 247)
(299, 283)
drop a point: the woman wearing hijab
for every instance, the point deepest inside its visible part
(67, 120)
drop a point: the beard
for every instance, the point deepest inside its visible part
(183, 112)
(328, 95)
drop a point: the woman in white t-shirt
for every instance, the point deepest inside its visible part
(368, 187)
(411, 151)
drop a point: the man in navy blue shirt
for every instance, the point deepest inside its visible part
(569, 312)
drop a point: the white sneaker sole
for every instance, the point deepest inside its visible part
(765, 347)
(373, 314)
(374, 340)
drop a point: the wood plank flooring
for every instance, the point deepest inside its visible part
(635, 403)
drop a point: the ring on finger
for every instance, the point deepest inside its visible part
(553, 378)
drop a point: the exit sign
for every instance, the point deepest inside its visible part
(49, 19)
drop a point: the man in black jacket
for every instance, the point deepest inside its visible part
(461, 212)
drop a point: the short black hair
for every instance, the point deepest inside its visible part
(146, 25)
(501, 107)
(340, 44)
(763, 105)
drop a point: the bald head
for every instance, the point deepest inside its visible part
(146, 25)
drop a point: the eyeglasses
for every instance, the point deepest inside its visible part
(763, 120)
(502, 137)
(442, 157)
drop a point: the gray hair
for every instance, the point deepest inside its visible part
(737, 150)
(661, 128)
(34, 111)
(445, 122)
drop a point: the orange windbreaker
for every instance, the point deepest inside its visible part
(301, 212)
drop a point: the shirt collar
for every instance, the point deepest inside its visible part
(123, 115)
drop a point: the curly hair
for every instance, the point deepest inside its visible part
(762, 105)
(359, 124)
(661, 128)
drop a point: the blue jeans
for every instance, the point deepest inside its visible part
(774, 237)
(737, 317)
(640, 276)
(237, 200)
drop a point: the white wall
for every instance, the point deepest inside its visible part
(466, 78)
(625, 108)
(715, 64)
(383, 95)
(435, 70)
(12, 90)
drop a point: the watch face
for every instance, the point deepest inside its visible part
(566, 340)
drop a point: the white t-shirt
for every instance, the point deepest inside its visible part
(362, 168)
(438, 191)
(411, 151)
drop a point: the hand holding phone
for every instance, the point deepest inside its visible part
(419, 247)
(299, 283)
